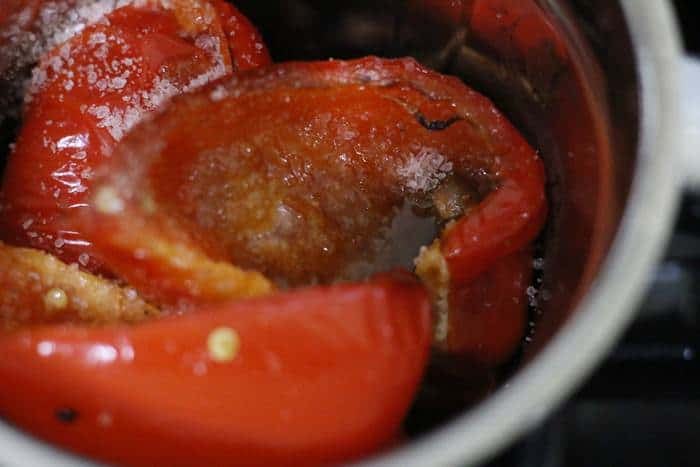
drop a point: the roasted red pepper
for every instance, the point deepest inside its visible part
(516, 28)
(314, 376)
(88, 92)
(297, 170)
(511, 28)
(488, 316)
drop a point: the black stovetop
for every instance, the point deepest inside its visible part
(641, 408)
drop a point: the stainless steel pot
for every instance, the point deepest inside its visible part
(662, 162)
(598, 94)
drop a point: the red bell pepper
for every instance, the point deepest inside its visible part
(88, 91)
(235, 169)
(309, 377)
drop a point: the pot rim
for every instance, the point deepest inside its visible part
(600, 317)
(606, 310)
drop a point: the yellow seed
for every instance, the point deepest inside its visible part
(223, 344)
(55, 300)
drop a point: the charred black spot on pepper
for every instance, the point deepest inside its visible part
(66, 415)
(434, 125)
